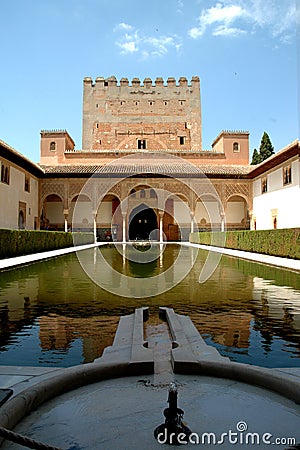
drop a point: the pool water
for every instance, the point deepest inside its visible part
(53, 314)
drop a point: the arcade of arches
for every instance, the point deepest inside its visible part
(133, 209)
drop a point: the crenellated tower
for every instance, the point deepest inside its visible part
(141, 116)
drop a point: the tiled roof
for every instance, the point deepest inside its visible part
(291, 150)
(228, 169)
(16, 157)
(141, 166)
(66, 169)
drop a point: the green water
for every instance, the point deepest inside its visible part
(52, 314)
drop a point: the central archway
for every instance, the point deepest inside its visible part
(142, 222)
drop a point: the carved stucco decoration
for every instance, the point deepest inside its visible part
(53, 188)
(238, 188)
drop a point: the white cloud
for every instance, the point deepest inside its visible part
(146, 45)
(219, 14)
(228, 31)
(180, 6)
(196, 32)
(278, 18)
(162, 44)
(127, 42)
(128, 47)
(123, 27)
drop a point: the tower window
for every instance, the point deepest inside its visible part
(141, 144)
(236, 147)
(52, 146)
(181, 140)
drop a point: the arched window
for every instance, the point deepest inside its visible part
(264, 185)
(287, 174)
(236, 147)
(27, 184)
(4, 174)
(52, 146)
(153, 193)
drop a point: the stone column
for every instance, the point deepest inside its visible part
(222, 222)
(161, 237)
(251, 220)
(95, 226)
(124, 254)
(192, 221)
(124, 227)
(161, 255)
(66, 215)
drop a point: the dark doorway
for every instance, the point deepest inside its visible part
(142, 221)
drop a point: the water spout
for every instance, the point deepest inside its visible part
(173, 431)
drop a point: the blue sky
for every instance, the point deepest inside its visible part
(244, 51)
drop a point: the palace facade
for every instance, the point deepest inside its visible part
(142, 172)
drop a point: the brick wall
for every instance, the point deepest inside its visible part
(155, 116)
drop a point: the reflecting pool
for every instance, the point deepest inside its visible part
(53, 314)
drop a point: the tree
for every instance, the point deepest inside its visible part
(266, 148)
(256, 158)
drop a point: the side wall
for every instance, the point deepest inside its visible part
(278, 207)
(14, 198)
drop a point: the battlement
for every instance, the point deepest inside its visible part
(136, 82)
(56, 132)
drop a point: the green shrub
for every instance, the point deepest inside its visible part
(23, 242)
(282, 242)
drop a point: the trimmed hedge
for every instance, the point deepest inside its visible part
(23, 242)
(280, 242)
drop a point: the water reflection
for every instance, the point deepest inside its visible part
(51, 313)
(128, 272)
